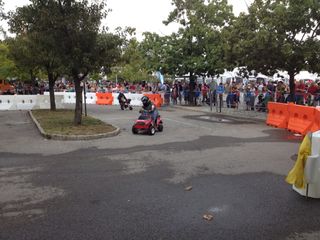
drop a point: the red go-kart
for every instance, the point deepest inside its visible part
(145, 124)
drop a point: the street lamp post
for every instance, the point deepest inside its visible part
(85, 97)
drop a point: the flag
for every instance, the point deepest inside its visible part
(160, 77)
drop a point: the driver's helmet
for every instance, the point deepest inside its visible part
(145, 100)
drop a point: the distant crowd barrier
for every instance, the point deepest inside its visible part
(155, 98)
(135, 98)
(295, 118)
(104, 98)
(28, 102)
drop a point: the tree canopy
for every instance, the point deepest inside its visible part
(64, 36)
(199, 38)
(67, 36)
(7, 66)
(277, 35)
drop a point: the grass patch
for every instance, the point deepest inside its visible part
(61, 122)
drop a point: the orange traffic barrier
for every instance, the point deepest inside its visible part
(104, 98)
(155, 98)
(278, 115)
(316, 124)
(301, 118)
(158, 100)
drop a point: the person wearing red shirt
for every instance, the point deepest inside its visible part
(204, 91)
(300, 92)
(312, 92)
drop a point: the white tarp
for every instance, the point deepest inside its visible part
(305, 75)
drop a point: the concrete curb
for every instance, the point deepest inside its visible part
(72, 137)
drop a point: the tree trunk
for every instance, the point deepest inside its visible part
(291, 87)
(51, 92)
(191, 90)
(32, 78)
(78, 108)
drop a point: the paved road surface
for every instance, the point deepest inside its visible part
(133, 186)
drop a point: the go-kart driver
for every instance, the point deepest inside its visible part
(149, 107)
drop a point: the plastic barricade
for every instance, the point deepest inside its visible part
(91, 98)
(26, 102)
(312, 170)
(278, 115)
(104, 98)
(155, 98)
(43, 101)
(301, 118)
(316, 124)
(7, 102)
(69, 97)
(160, 99)
(135, 98)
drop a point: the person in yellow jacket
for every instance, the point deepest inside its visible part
(296, 175)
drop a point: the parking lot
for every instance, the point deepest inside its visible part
(134, 186)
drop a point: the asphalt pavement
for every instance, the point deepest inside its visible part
(134, 186)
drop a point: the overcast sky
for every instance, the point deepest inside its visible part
(144, 15)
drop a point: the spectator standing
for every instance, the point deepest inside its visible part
(312, 94)
(300, 92)
(175, 94)
(204, 91)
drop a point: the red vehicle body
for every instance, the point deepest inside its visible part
(145, 124)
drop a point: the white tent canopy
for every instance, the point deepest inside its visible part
(260, 75)
(281, 76)
(226, 76)
(305, 75)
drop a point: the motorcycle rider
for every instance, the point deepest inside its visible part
(148, 106)
(122, 99)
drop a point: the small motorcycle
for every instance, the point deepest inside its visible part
(125, 103)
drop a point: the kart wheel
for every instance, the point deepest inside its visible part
(130, 108)
(122, 108)
(134, 131)
(152, 130)
(160, 128)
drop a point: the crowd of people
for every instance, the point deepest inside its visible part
(254, 95)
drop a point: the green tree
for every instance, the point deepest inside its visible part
(2, 16)
(85, 50)
(133, 63)
(130, 66)
(154, 50)
(35, 47)
(278, 35)
(197, 45)
(7, 66)
(65, 37)
(22, 55)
